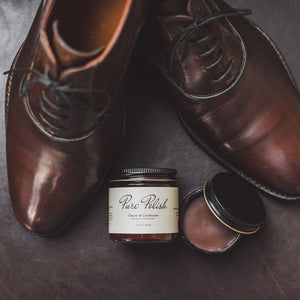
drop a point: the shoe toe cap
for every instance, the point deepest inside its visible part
(46, 202)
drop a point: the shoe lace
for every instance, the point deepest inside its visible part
(61, 90)
(197, 23)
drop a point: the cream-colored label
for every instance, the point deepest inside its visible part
(147, 210)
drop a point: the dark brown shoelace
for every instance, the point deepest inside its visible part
(62, 91)
(196, 24)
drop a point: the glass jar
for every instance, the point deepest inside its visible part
(143, 205)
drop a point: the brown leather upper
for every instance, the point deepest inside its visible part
(59, 146)
(250, 119)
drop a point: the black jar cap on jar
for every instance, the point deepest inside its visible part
(235, 203)
(144, 172)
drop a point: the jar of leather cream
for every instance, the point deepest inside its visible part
(143, 205)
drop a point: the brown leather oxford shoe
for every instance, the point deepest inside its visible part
(233, 91)
(64, 116)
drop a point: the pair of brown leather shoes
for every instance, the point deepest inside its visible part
(64, 114)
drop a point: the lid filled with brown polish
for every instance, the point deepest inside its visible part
(213, 219)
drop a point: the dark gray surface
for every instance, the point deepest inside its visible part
(83, 264)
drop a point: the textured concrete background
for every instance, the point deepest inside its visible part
(83, 264)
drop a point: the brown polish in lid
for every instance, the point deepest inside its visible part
(213, 218)
(201, 229)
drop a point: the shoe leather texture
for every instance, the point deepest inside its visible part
(233, 91)
(61, 140)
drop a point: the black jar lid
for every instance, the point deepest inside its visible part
(144, 172)
(234, 202)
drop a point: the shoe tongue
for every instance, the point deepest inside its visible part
(172, 7)
(66, 55)
(194, 7)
